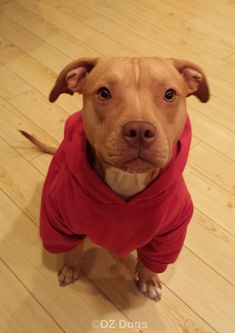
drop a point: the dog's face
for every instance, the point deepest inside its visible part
(134, 108)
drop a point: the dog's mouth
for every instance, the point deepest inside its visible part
(137, 165)
(133, 165)
(144, 161)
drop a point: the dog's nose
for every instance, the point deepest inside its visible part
(139, 133)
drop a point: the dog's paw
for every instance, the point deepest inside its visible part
(148, 282)
(150, 288)
(68, 275)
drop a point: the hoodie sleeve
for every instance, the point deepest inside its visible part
(164, 249)
(54, 231)
(54, 234)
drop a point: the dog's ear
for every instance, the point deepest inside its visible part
(70, 78)
(194, 77)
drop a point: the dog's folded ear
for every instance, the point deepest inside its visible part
(195, 79)
(70, 78)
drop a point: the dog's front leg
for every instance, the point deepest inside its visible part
(148, 282)
(72, 265)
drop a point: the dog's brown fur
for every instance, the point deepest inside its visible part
(133, 132)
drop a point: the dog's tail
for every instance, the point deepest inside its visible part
(42, 146)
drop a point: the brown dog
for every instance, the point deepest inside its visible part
(134, 113)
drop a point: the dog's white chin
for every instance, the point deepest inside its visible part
(124, 183)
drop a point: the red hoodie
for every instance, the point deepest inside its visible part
(76, 203)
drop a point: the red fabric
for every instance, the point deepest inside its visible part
(76, 203)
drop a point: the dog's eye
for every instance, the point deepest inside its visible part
(169, 95)
(104, 94)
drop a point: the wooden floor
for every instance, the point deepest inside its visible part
(37, 38)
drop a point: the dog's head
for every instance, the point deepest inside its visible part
(134, 109)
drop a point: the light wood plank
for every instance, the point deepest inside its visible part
(207, 292)
(159, 8)
(219, 169)
(11, 84)
(218, 35)
(32, 45)
(124, 52)
(212, 133)
(65, 22)
(195, 142)
(222, 88)
(225, 8)
(133, 40)
(211, 199)
(79, 13)
(19, 311)
(42, 163)
(11, 121)
(47, 116)
(231, 60)
(217, 110)
(211, 16)
(162, 18)
(212, 244)
(33, 72)
(20, 181)
(64, 41)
